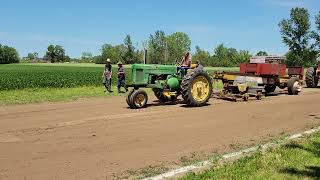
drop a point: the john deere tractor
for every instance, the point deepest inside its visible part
(167, 83)
(312, 76)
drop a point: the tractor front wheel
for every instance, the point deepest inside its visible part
(294, 86)
(196, 88)
(137, 99)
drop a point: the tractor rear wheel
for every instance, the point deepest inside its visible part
(294, 86)
(138, 99)
(196, 88)
(311, 78)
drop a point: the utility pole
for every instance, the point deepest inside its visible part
(166, 53)
(145, 54)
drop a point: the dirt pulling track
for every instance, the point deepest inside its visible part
(101, 138)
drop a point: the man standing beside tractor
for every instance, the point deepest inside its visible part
(107, 75)
(121, 77)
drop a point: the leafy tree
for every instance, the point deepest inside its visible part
(202, 56)
(316, 34)
(139, 56)
(114, 53)
(66, 58)
(228, 57)
(243, 57)
(129, 56)
(233, 57)
(125, 52)
(178, 44)
(98, 59)
(8, 55)
(296, 30)
(56, 53)
(157, 47)
(60, 54)
(86, 57)
(296, 35)
(50, 54)
(36, 55)
(221, 56)
(292, 57)
(262, 53)
(32, 57)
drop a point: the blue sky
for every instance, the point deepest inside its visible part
(80, 25)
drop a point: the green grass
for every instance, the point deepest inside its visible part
(25, 96)
(299, 159)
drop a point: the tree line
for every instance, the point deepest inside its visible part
(161, 48)
(302, 41)
(222, 56)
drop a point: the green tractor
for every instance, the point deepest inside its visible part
(168, 82)
(312, 76)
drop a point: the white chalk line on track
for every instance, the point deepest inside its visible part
(228, 156)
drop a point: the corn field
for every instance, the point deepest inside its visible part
(20, 76)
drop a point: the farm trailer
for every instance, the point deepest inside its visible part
(261, 76)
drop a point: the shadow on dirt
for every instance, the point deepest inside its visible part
(277, 93)
(178, 102)
(186, 106)
(159, 103)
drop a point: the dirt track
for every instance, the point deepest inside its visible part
(97, 138)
